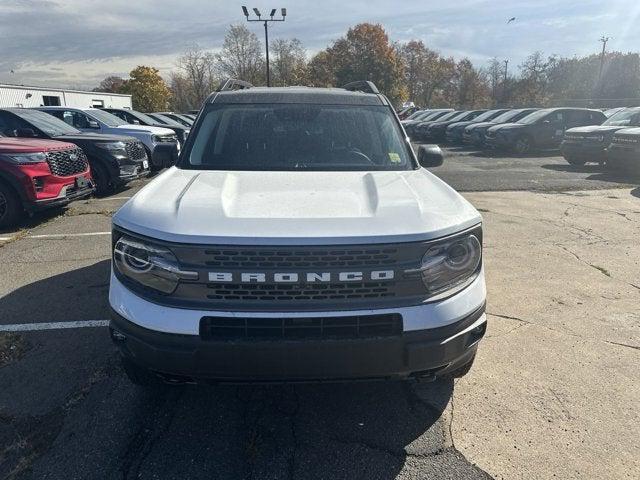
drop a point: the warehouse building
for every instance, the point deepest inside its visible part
(26, 96)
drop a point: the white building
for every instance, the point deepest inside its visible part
(25, 96)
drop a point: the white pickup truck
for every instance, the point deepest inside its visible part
(299, 238)
(161, 143)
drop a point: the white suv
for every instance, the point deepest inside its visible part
(161, 143)
(298, 239)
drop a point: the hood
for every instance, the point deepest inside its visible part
(31, 145)
(279, 208)
(507, 126)
(175, 128)
(93, 137)
(479, 125)
(145, 128)
(459, 125)
(595, 129)
(631, 131)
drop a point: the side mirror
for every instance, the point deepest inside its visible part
(93, 124)
(430, 156)
(24, 132)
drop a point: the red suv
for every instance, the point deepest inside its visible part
(38, 174)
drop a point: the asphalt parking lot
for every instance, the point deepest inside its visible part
(555, 391)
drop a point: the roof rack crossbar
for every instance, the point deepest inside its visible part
(364, 86)
(233, 84)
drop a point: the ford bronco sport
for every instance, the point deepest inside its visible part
(299, 238)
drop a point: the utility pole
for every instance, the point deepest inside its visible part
(283, 12)
(604, 41)
(506, 76)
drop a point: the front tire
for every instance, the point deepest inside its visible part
(523, 145)
(10, 207)
(576, 162)
(102, 179)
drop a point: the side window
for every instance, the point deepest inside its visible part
(120, 114)
(59, 114)
(12, 123)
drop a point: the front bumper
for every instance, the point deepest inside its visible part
(498, 142)
(583, 151)
(454, 136)
(437, 338)
(67, 195)
(624, 157)
(165, 154)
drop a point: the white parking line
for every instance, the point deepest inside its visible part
(32, 327)
(5, 239)
(64, 235)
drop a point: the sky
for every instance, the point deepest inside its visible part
(77, 43)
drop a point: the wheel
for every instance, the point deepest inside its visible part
(460, 371)
(10, 207)
(102, 179)
(139, 375)
(576, 161)
(523, 145)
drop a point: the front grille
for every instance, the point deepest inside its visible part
(316, 258)
(234, 328)
(65, 163)
(135, 150)
(573, 137)
(281, 292)
(625, 140)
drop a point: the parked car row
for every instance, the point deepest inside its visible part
(50, 156)
(583, 135)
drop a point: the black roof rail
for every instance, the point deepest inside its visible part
(364, 86)
(233, 84)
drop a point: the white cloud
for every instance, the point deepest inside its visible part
(89, 39)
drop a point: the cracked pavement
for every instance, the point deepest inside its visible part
(554, 392)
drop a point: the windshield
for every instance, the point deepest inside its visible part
(534, 117)
(109, 119)
(416, 115)
(628, 117)
(299, 137)
(166, 120)
(456, 116)
(506, 116)
(485, 116)
(49, 124)
(143, 117)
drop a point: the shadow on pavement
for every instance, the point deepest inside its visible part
(67, 411)
(596, 172)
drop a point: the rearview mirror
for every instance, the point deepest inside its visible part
(136, 122)
(430, 156)
(24, 132)
(93, 124)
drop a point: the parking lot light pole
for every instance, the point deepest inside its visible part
(283, 12)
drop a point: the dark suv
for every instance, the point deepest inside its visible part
(437, 131)
(624, 151)
(139, 118)
(455, 131)
(543, 129)
(589, 144)
(475, 132)
(114, 159)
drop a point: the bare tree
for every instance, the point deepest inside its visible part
(288, 62)
(241, 56)
(196, 80)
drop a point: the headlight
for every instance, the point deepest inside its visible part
(25, 158)
(450, 265)
(149, 265)
(111, 146)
